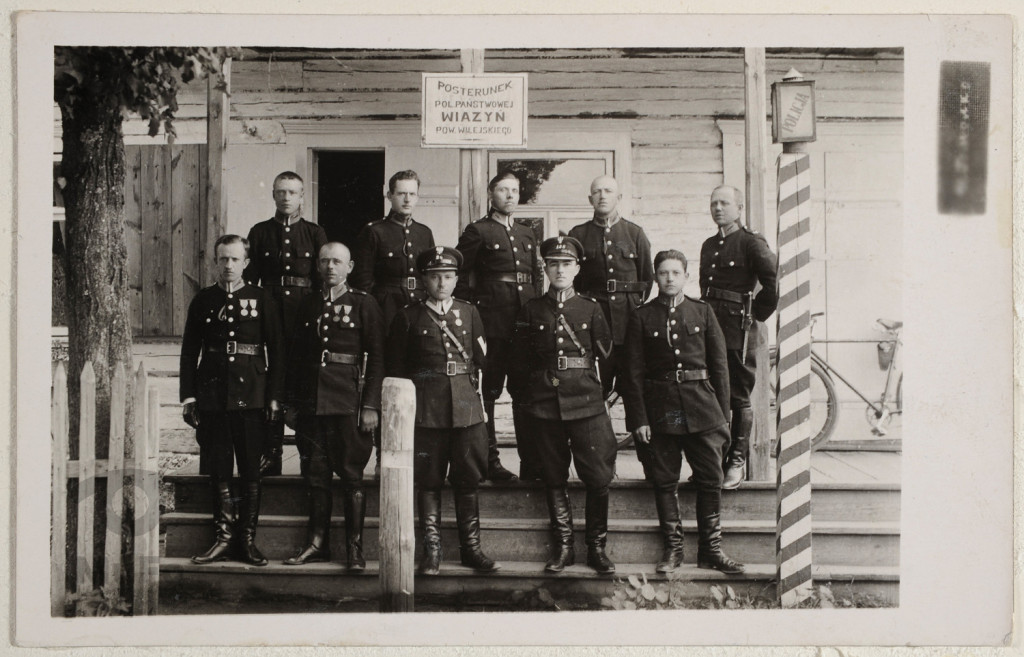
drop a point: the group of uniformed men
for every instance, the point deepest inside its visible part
(298, 330)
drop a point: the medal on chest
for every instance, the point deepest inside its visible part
(458, 319)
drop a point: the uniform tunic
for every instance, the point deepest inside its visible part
(384, 262)
(231, 387)
(565, 403)
(620, 253)
(731, 265)
(450, 431)
(325, 393)
(277, 250)
(676, 382)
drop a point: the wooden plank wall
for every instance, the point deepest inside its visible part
(667, 99)
(163, 211)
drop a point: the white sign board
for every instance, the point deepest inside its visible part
(474, 110)
(793, 113)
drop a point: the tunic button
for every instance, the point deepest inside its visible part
(514, 249)
(721, 241)
(611, 270)
(325, 339)
(673, 322)
(231, 334)
(512, 238)
(231, 359)
(609, 242)
(672, 310)
(231, 296)
(696, 329)
(406, 231)
(561, 305)
(287, 266)
(655, 334)
(449, 355)
(208, 320)
(390, 254)
(732, 262)
(679, 366)
(561, 340)
(677, 352)
(410, 243)
(287, 241)
(712, 265)
(711, 278)
(287, 255)
(231, 307)
(411, 269)
(323, 364)
(675, 336)
(541, 327)
(517, 262)
(497, 246)
(519, 287)
(287, 292)
(287, 229)
(327, 314)
(307, 254)
(607, 230)
(612, 297)
(267, 253)
(716, 252)
(231, 319)
(561, 352)
(609, 256)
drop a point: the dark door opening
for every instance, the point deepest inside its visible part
(349, 192)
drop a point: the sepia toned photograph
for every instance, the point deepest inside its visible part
(544, 329)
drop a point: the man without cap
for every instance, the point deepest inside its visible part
(283, 260)
(732, 263)
(676, 391)
(385, 255)
(231, 378)
(615, 268)
(337, 330)
(559, 339)
(500, 256)
(440, 344)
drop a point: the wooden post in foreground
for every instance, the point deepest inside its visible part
(397, 536)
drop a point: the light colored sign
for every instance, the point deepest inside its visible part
(474, 110)
(793, 111)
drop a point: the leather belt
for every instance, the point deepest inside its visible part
(231, 348)
(518, 277)
(405, 282)
(454, 368)
(573, 363)
(626, 286)
(725, 295)
(332, 357)
(681, 375)
(290, 281)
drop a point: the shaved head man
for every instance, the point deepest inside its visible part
(615, 269)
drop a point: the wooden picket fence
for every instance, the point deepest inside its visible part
(139, 471)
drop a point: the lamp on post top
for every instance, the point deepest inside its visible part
(793, 112)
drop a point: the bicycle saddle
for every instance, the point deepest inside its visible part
(890, 324)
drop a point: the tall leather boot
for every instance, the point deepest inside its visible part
(273, 450)
(597, 531)
(467, 514)
(355, 512)
(667, 503)
(429, 502)
(736, 460)
(709, 532)
(319, 547)
(250, 518)
(563, 553)
(496, 472)
(223, 521)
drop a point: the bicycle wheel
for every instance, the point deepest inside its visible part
(824, 405)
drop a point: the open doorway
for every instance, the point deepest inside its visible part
(349, 191)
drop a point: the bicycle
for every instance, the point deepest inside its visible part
(824, 402)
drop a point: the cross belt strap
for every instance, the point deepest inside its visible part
(289, 281)
(231, 348)
(573, 363)
(572, 334)
(725, 295)
(333, 357)
(626, 286)
(458, 343)
(518, 277)
(680, 375)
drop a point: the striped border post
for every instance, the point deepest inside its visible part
(793, 529)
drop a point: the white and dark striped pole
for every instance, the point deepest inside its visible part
(793, 528)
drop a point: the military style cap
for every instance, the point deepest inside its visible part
(440, 258)
(561, 248)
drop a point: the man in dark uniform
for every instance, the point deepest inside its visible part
(283, 261)
(440, 345)
(501, 255)
(231, 380)
(616, 267)
(338, 331)
(386, 250)
(732, 262)
(676, 392)
(559, 338)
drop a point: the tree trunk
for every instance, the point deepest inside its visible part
(96, 272)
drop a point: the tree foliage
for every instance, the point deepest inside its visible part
(141, 80)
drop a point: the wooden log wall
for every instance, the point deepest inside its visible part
(668, 100)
